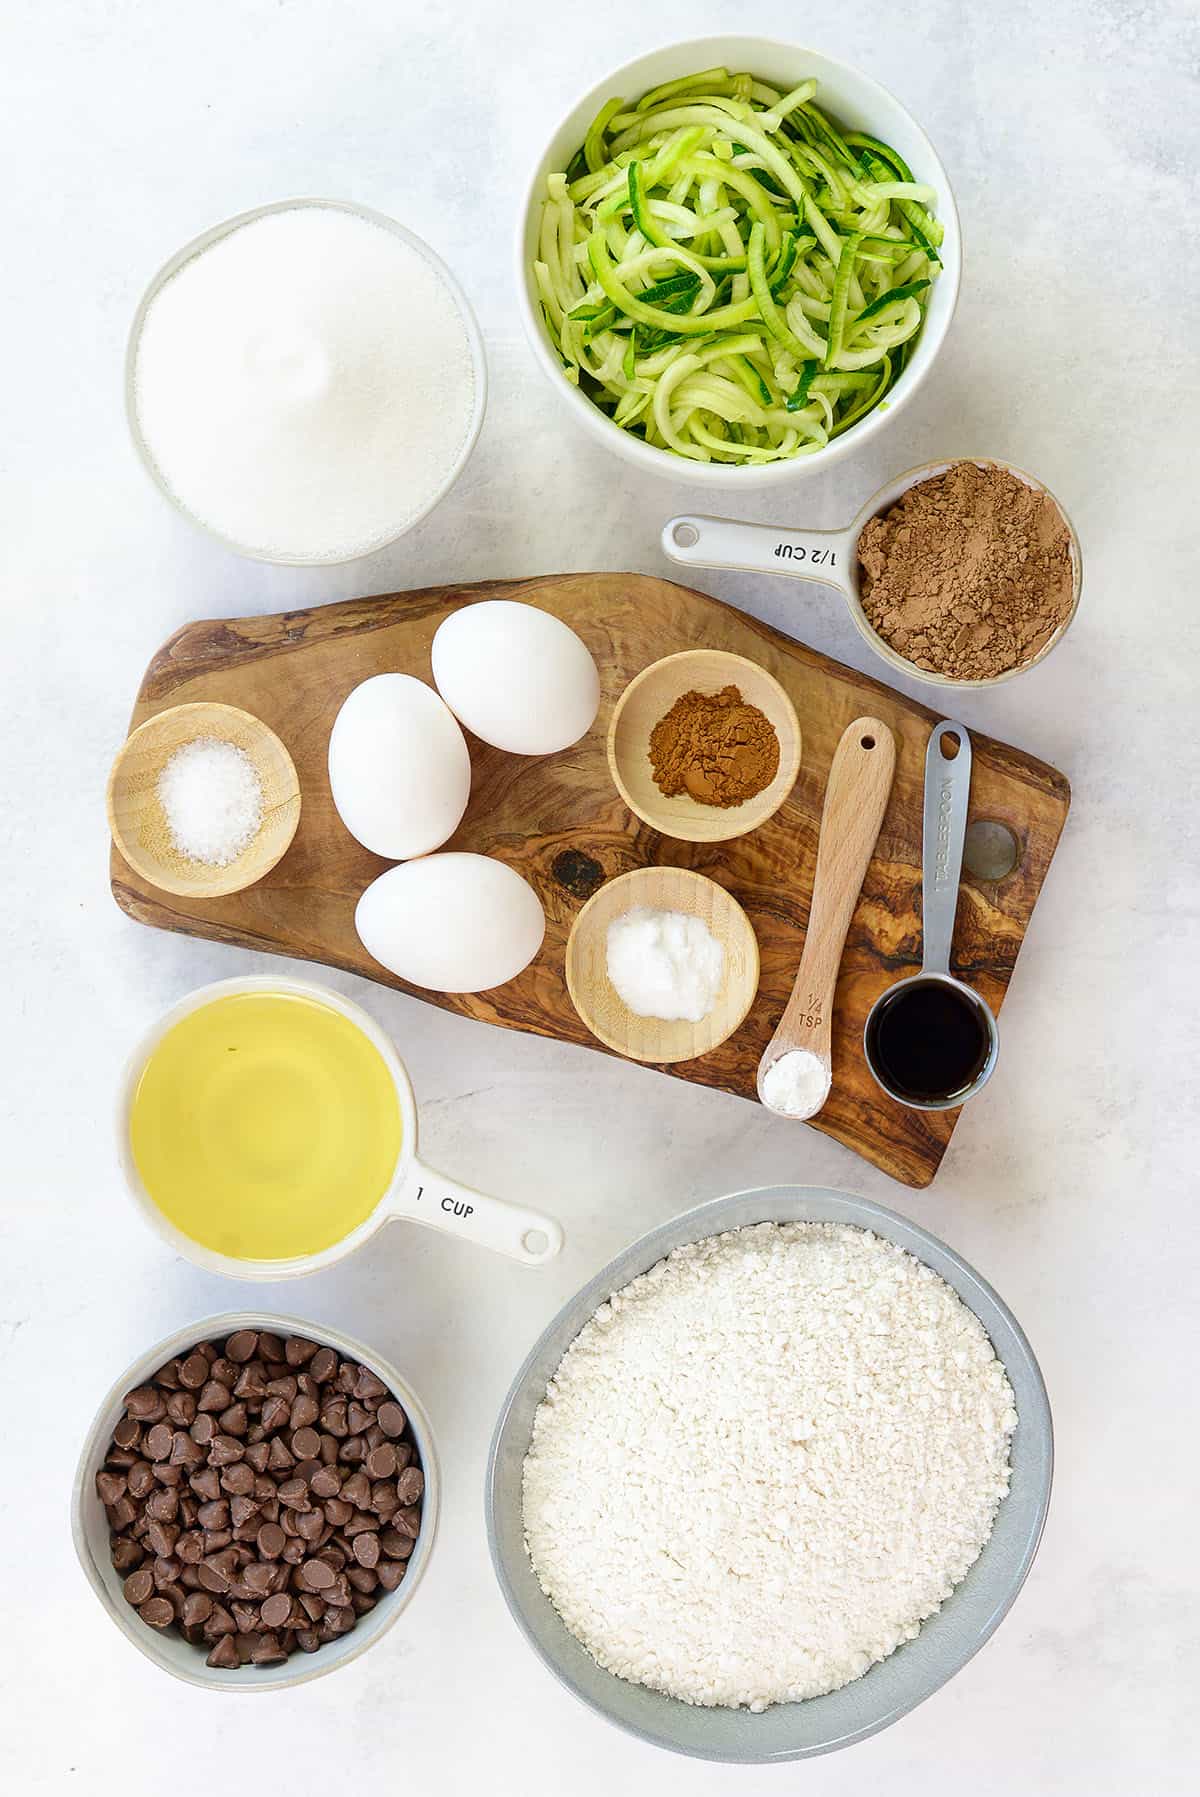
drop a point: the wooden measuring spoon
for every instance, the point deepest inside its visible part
(856, 796)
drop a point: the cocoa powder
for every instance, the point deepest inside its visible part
(715, 747)
(969, 574)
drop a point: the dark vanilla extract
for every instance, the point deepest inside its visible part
(929, 1042)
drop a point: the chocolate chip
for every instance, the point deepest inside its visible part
(111, 1487)
(369, 1385)
(213, 1576)
(234, 1420)
(323, 1365)
(159, 1440)
(317, 1575)
(138, 1586)
(410, 1485)
(390, 1573)
(326, 1482)
(391, 1419)
(146, 1404)
(304, 1413)
(357, 1491)
(242, 1345)
(366, 1549)
(381, 1461)
(225, 1450)
(158, 1612)
(333, 1418)
(270, 1346)
(276, 1610)
(224, 1654)
(306, 1444)
(214, 1396)
(193, 1371)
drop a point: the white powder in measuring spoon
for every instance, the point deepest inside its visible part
(305, 384)
(797, 1084)
(765, 1462)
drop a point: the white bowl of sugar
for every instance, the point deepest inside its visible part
(305, 381)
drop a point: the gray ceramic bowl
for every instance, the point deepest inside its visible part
(894, 1686)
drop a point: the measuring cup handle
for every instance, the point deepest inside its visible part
(699, 542)
(440, 1203)
(947, 791)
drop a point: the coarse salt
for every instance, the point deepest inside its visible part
(763, 1464)
(305, 385)
(212, 797)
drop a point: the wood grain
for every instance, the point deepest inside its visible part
(560, 822)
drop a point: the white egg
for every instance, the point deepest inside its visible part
(519, 678)
(451, 923)
(398, 766)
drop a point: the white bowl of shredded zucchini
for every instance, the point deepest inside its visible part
(738, 260)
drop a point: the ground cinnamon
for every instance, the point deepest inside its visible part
(969, 574)
(715, 747)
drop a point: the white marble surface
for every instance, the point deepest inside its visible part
(1069, 130)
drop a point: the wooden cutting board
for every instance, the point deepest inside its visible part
(560, 823)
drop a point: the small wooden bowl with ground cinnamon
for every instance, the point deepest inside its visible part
(704, 746)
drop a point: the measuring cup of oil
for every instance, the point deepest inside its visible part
(930, 1041)
(267, 1127)
(831, 556)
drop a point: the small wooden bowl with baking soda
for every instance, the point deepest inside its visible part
(139, 824)
(601, 1006)
(644, 704)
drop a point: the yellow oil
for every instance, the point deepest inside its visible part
(266, 1125)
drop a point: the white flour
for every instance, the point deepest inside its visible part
(765, 1462)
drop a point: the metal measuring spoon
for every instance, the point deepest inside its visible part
(933, 1022)
(831, 556)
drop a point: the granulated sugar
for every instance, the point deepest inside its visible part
(765, 1462)
(305, 384)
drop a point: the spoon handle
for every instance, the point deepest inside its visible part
(947, 790)
(696, 541)
(856, 796)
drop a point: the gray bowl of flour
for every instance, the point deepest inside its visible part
(895, 1684)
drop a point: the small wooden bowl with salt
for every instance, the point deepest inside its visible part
(600, 1005)
(139, 822)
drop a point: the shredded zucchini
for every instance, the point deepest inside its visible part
(730, 276)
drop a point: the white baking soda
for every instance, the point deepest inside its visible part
(762, 1465)
(665, 964)
(305, 385)
(796, 1084)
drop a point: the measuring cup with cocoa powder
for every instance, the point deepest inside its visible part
(959, 573)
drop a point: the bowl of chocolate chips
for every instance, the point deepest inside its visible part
(256, 1501)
